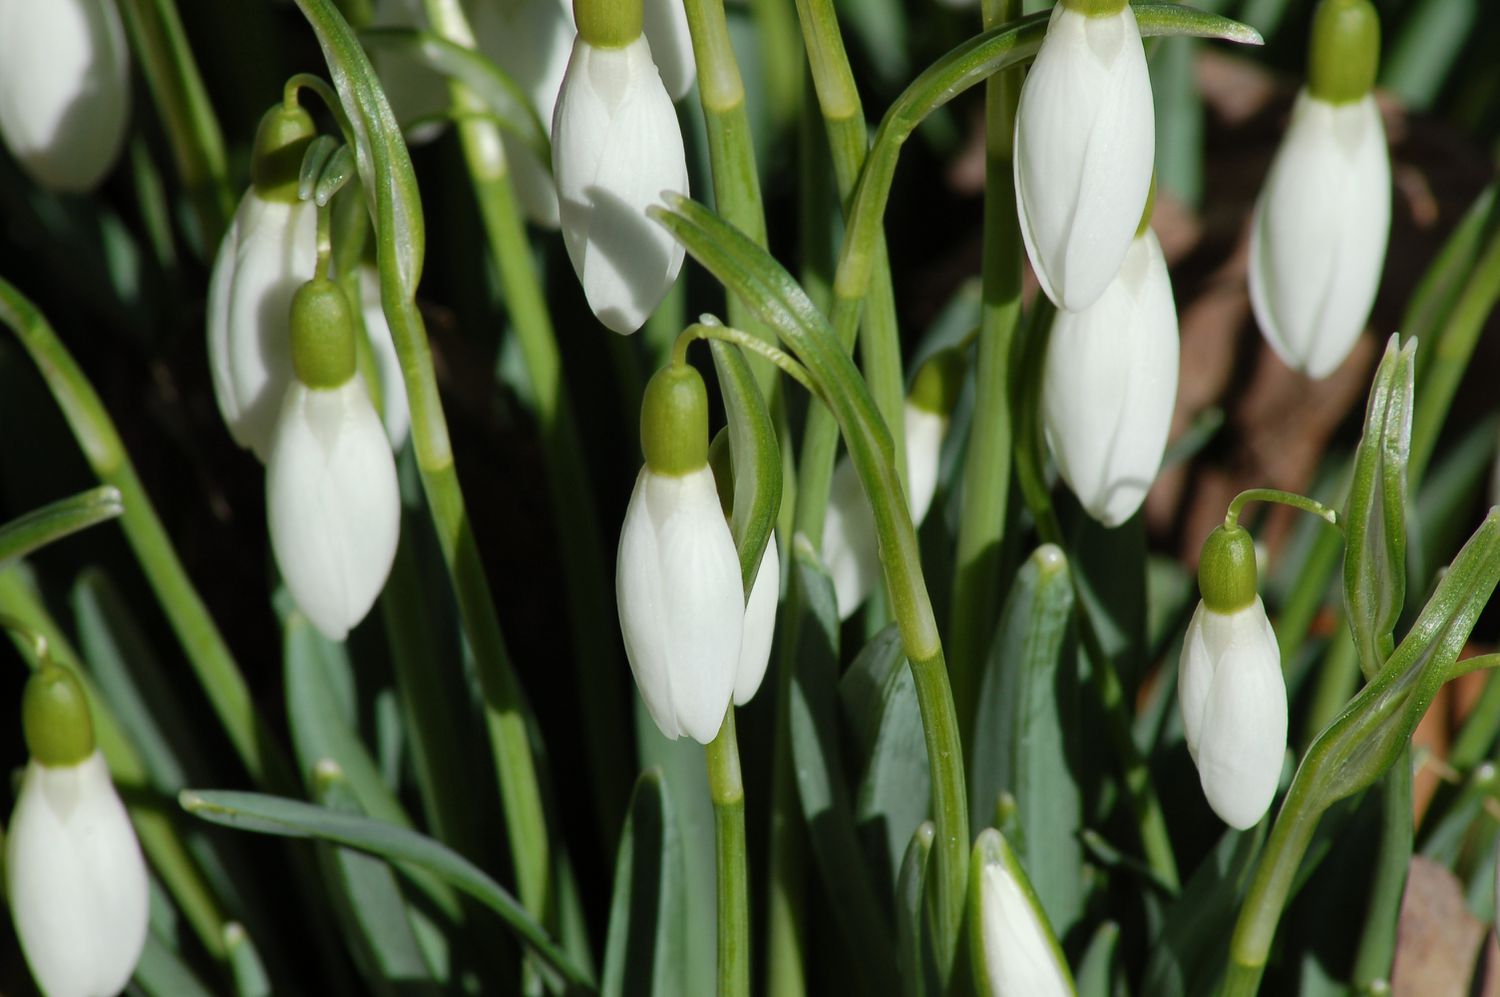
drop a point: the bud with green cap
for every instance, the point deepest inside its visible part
(323, 335)
(55, 718)
(1345, 52)
(1229, 684)
(281, 139)
(677, 578)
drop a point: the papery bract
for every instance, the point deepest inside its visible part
(760, 625)
(666, 27)
(1109, 385)
(1318, 238)
(1084, 148)
(64, 89)
(76, 879)
(616, 146)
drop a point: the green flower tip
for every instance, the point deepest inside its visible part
(280, 141)
(55, 718)
(1345, 51)
(1226, 570)
(323, 351)
(608, 23)
(674, 421)
(938, 381)
(1095, 8)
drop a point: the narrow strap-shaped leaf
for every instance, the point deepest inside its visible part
(756, 458)
(643, 952)
(56, 520)
(160, 971)
(914, 955)
(1099, 969)
(264, 814)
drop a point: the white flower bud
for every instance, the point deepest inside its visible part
(77, 881)
(1109, 385)
(1019, 957)
(332, 503)
(395, 410)
(64, 89)
(666, 27)
(682, 601)
(1084, 148)
(760, 625)
(1318, 239)
(616, 146)
(269, 251)
(1233, 702)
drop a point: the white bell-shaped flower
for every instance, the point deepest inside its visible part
(395, 409)
(1017, 956)
(666, 27)
(531, 40)
(1084, 147)
(1318, 238)
(760, 625)
(1229, 685)
(616, 146)
(332, 502)
(1109, 385)
(64, 89)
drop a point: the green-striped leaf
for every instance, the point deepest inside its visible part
(56, 520)
(643, 954)
(756, 458)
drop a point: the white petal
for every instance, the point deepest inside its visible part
(78, 889)
(332, 503)
(924, 450)
(395, 409)
(1017, 955)
(666, 26)
(269, 251)
(1109, 385)
(1085, 144)
(616, 146)
(1318, 238)
(850, 551)
(760, 625)
(64, 89)
(681, 602)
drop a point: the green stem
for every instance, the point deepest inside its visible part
(1302, 502)
(206, 651)
(728, 793)
(1377, 945)
(986, 472)
(177, 88)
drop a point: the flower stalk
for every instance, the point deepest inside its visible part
(728, 793)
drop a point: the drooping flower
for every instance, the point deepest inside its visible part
(666, 27)
(677, 579)
(760, 625)
(616, 146)
(74, 871)
(1318, 237)
(1014, 953)
(1084, 147)
(332, 501)
(64, 89)
(1109, 384)
(269, 251)
(1229, 684)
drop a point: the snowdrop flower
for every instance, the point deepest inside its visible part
(395, 410)
(760, 625)
(677, 580)
(418, 96)
(1014, 954)
(1084, 147)
(332, 501)
(666, 27)
(531, 40)
(616, 146)
(64, 89)
(1318, 237)
(1229, 684)
(269, 251)
(1109, 384)
(76, 878)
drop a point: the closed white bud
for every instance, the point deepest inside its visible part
(395, 410)
(77, 881)
(681, 600)
(760, 625)
(269, 252)
(666, 27)
(64, 89)
(1318, 238)
(616, 146)
(1109, 385)
(1233, 702)
(332, 503)
(1018, 956)
(1084, 148)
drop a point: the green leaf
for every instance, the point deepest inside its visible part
(1375, 520)
(1099, 971)
(56, 520)
(160, 972)
(643, 953)
(1449, 490)
(914, 953)
(250, 979)
(1433, 299)
(756, 458)
(405, 848)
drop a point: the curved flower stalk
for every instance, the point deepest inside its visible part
(1084, 146)
(332, 502)
(395, 409)
(64, 89)
(74, 871)
(1318, 238)
(1230, 689)
(269, 251)
(1109, 385)
(666, 27)
(419, 97)
(616, 146)
(1013, 951)
(531, 40)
